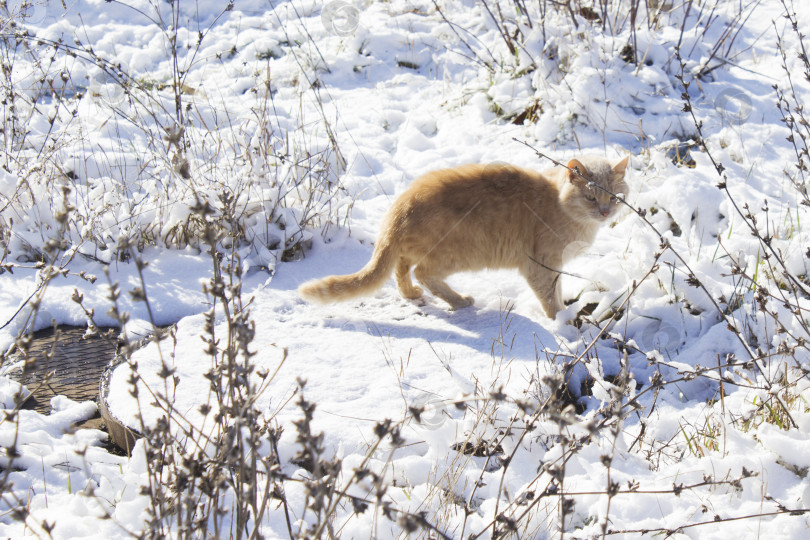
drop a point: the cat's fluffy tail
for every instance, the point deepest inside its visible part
(368, 279)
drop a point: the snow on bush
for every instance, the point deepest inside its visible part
(187, 146)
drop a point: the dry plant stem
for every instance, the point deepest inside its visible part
(274, 443)
(597, 428)
(563, 419)
(783, 300)
(748, 220)
(236, 459)
(110, 69)
(197, 435)
(548, 492)
(468, 503)
(549, 408)
(718, 519)
(501, 26)
(800, 128)
(237, 405)
(45, 275)
(676, 489)
(351, 481)
(513, 43)
(170, 155)
(502, 477)
(693, 280)
(345, 494)
(615, 431)
(562, 505)
(453, 26)
(723, 185)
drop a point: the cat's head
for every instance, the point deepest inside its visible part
(590, 185)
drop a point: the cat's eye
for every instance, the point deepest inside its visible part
(590, 196)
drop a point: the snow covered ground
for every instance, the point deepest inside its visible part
(311, 118)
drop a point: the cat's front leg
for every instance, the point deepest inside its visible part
(552, 302)
(545, 284)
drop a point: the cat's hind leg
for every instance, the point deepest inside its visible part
(433, 279)
(403, 276)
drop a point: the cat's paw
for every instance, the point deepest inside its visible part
(466, 301)
(413, 293)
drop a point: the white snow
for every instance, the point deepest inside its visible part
(278, 90)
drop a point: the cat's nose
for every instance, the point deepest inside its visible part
(604, 211)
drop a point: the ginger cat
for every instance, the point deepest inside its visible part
(485, 216)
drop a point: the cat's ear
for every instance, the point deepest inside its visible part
(576, 166)
(619, 168)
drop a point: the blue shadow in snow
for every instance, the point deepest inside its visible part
(479, 329)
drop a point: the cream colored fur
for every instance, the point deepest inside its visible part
(476, 216)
